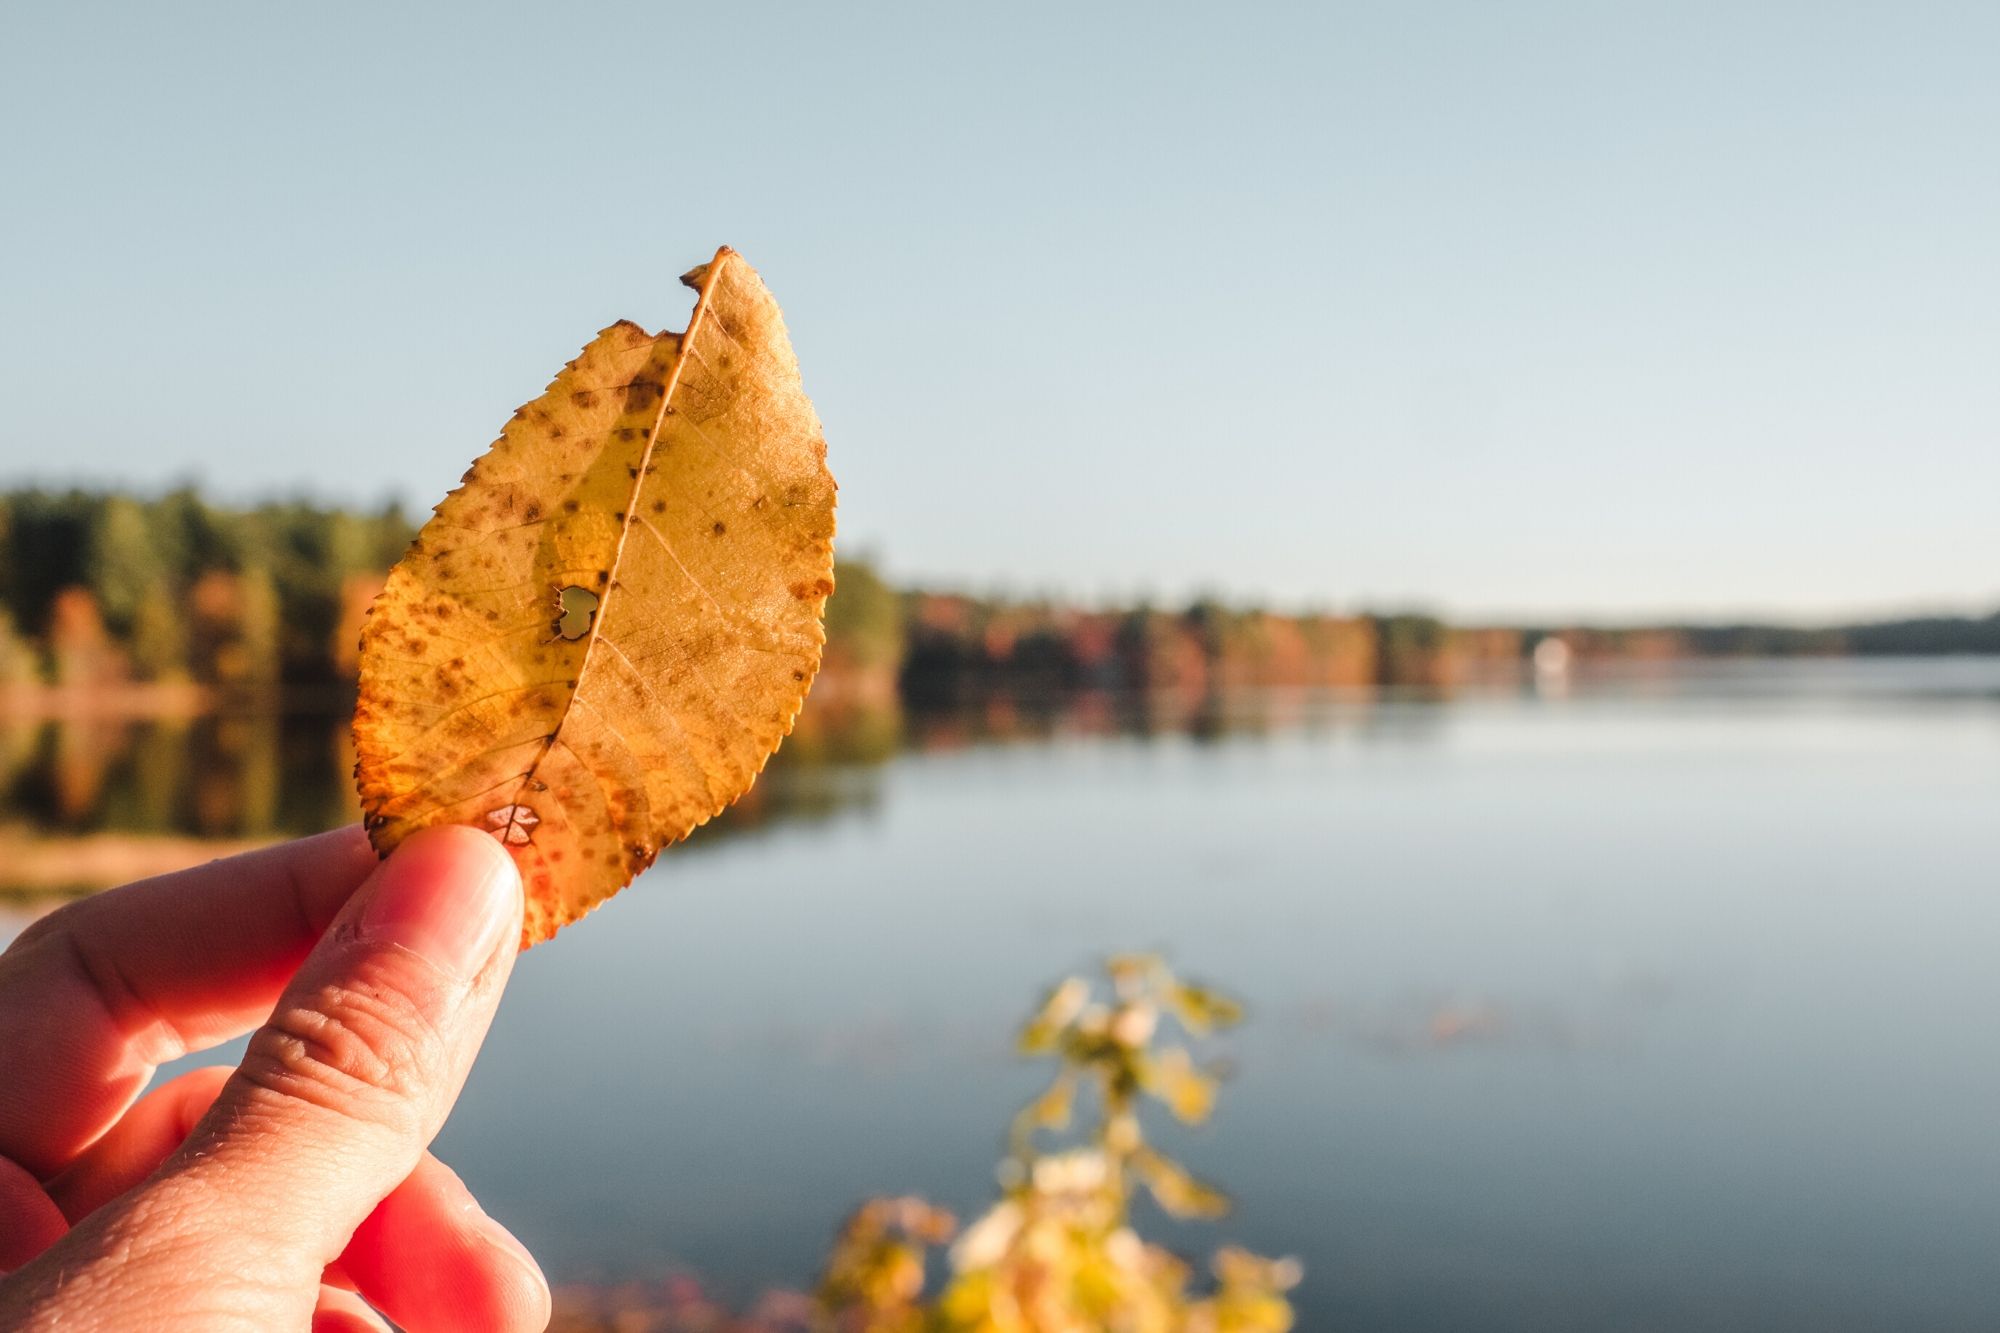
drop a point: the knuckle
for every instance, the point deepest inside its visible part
(361, 1048)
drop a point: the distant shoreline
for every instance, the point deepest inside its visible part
(116, 605)
(73, 865)
(34, 700)
(1596, 651)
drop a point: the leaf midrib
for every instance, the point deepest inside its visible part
(701, 305)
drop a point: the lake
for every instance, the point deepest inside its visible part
(1667, 1000)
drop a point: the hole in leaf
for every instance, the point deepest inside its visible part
(576, 608)
(513, 824)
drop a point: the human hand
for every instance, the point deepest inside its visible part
(266, 1197)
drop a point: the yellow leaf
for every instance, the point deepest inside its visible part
(1188, 1092)
(1052, 1109)
(1201, 1010)
(1177, 1191)
(600, 638)
(1058, 1011)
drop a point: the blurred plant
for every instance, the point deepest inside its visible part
(1114, 1051)
(874, 1280)
(1057, 1253)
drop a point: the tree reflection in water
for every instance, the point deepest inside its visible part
(93, 800)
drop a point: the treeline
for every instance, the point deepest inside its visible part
(957, 644)
(106, 590)
(1916, 637)
(101, 590)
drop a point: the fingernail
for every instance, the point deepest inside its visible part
(448, 894)
(480, 1223)
(505, 1241)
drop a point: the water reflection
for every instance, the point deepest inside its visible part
(226, 776)
(1658, 1002)
(95, 800)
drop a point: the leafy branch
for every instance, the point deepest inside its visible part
(1057, 1253)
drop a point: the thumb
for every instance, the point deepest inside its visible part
(341, 1091)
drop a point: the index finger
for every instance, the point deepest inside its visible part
(97, 994)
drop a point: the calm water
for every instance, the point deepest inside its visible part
(1667, 1003)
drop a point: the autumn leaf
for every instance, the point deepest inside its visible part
(1051, 1110)
(1201, 1010)
(1188, 1092)
(1058, 1011)
(1176, 1191)
(604, 633)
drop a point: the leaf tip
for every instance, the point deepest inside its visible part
(698, 275)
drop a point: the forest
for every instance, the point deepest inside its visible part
(174, 602)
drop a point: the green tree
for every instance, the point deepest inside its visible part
(124, 564)
(159, 637)
(864, 618)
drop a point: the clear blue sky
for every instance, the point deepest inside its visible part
(1616, 308)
